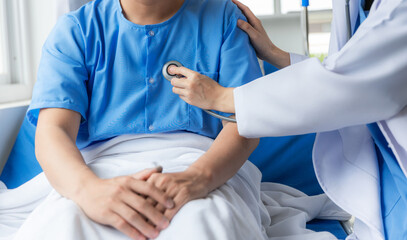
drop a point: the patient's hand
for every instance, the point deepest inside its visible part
(182, 187)
(201, 91)
(121, 202)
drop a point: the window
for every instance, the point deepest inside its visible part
(281, 11)
(269, 7)
(295, 5)
(320, 16)
(260, 7)
(14, 67)
(4, 55)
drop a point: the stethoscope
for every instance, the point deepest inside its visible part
(305, 4)
(362, 17)
(348, 24)
(169, 76)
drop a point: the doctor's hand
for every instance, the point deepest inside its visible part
(121, 203)
(201, 91)
(183, 187)
(264, 47)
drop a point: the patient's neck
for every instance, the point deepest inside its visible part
(146, 12)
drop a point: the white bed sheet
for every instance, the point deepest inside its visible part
(241, 209)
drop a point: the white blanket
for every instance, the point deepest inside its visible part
(237, 210)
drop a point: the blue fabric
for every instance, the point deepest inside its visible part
(108, 69)
(21, 165)
(268, 68)
(393, 185)
(99, 64)
(287, 160)
(361, 16)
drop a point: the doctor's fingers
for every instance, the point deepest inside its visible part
(147, 209)
(180, 91)
(249, 29)
(183, 71)
(180, 82)
(251, 18)
(135, 220)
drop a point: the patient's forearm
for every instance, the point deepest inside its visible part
(66, 170)
(61, 160)
(227, 154)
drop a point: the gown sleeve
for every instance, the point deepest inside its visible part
(238, 60)
(362, 83)
(62, 75)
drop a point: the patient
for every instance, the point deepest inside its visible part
(100, 77)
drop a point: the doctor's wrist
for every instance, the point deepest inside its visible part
(224, 102)
(278, 58)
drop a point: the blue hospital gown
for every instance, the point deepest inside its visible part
(108, 69)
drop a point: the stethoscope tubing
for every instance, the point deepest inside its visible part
(348, 23)
(213, 114)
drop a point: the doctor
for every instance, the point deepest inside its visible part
(356, 100)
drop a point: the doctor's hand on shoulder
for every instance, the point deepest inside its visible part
(265, 48)
(204, 92)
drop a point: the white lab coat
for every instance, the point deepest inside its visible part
(362, 81)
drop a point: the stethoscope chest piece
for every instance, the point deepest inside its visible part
(169, 76)
(165, 72)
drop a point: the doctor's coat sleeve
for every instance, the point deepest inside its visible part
(366, 81)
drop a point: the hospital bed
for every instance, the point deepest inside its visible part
(285, 160)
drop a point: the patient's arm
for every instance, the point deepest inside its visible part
(227, 154)
(115, 201)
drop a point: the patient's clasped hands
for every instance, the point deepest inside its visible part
(143, 204)
(182, 187)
